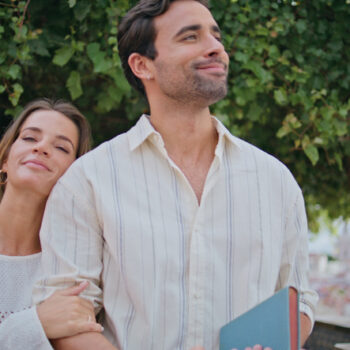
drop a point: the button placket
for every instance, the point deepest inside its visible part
(196, 283)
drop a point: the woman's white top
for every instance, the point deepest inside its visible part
(20, 327)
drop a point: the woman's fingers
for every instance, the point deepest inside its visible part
(65, 313)
(75, 290)
(85, 326)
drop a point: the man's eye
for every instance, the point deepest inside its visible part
(190, 37)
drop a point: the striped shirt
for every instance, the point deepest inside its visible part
(169, 271)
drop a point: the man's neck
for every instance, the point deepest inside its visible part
(190, 138)
(186, 130)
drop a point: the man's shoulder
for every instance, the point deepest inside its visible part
(259, 155)
(96, 160)
(118, 144)
(249, 155)
(263, 162)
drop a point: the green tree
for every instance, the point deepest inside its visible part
(289, 78)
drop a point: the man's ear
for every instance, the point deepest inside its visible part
(140, 66)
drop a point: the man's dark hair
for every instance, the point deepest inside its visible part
(136, 33)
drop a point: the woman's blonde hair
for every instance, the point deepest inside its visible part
(63, 107)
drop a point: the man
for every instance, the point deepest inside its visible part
(178, 226)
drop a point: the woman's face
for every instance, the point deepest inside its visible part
(45, 148)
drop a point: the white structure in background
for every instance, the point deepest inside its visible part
(344, 244)
(332, 278)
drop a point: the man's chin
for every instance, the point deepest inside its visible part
(213, 94)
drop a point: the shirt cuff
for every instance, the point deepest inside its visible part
(307, 310)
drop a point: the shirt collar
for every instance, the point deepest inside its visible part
(144, 130)
(224, 133)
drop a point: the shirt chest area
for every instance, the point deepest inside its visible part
(148, 205)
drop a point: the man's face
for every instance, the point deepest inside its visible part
(191, 65)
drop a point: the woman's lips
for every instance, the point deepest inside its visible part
(37, 164)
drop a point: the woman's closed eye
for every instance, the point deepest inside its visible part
(63, 149)
(29, 138)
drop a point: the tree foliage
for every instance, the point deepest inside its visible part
(289, 82)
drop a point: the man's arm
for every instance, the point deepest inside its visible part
(295, 261)
(86, 341)
(305, 328)
(71, 239)
(72, 242)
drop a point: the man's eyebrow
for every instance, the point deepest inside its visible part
(185, 29)
(60, 137)
(195, 27)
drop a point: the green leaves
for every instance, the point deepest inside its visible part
(261, 73)
(63, 55)
(280, 96)
(74, 86)
(288, 89)
(2, 30)
(290, 124)
(16, 94)
(72, 3)
(312, 153)
(82, 9)
(98, 57)
(14, 71)
(301, 26)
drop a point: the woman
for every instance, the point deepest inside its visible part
(34, 152)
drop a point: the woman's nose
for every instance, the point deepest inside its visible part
(41, 148)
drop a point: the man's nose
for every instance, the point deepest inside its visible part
(214, 46)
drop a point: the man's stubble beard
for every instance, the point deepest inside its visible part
(209, 90)
(196, 89)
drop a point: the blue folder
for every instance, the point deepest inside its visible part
(267, 324)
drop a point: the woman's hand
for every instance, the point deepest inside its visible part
(65, 314)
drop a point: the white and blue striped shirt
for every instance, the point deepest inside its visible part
(169, 271)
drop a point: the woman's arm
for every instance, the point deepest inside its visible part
(65, 314)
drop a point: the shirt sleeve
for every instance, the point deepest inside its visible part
(71, 240)
(295, 257)
(23, 330)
